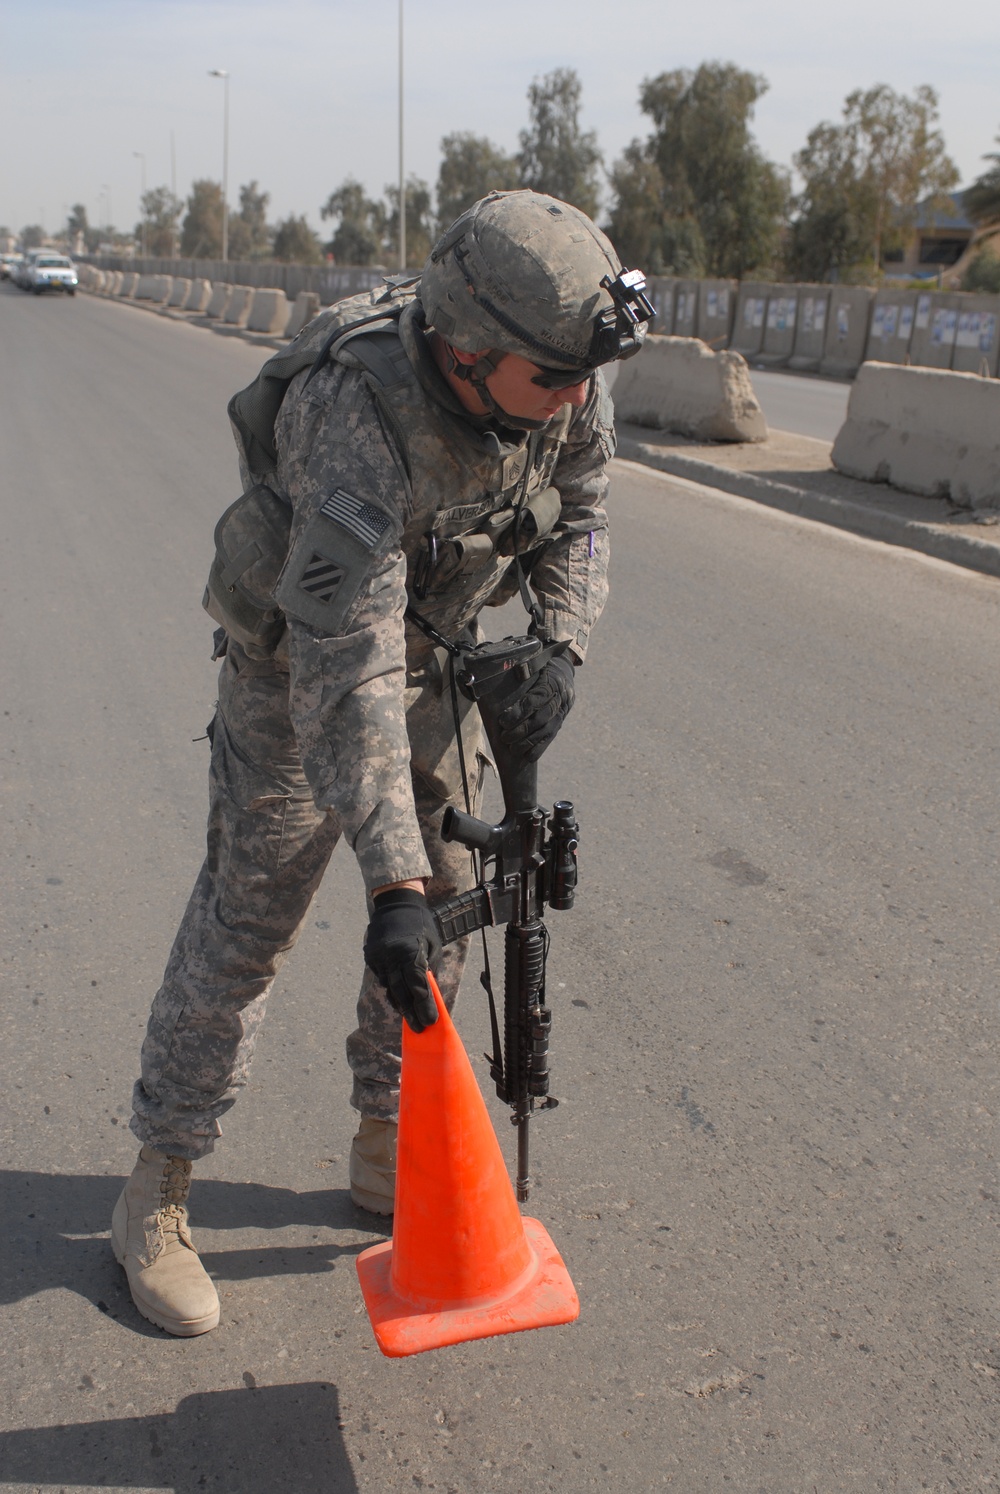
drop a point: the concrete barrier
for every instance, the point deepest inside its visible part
(304, 308)
(219, 300)
(716, 308)
(751, 315)
(180, 292)
(199, 297)
(268, 312)
(977, 340)
(846, 330)
(129, 282)
(238, 306)
(779, 327)
(679, 384)
(891, 328)
(661, 292)
(929, 431)
(935, 328)
(686, 308)
(154, 288)
(810, 329)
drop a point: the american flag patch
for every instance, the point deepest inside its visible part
(321, 578)
(366, 522)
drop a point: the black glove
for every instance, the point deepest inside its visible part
(530, 723)
(402, 941)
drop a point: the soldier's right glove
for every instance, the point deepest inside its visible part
(402, 943)
(529, 724)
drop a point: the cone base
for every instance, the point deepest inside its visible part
(547, 1299)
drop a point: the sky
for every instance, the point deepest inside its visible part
(87, 84)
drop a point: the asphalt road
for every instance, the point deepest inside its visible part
(808, 406)
(773, 1174)
(802, 403)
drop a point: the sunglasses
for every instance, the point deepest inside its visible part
(561, 378)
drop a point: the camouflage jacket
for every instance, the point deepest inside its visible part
(364, 503)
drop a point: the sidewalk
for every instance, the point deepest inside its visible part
(793, 473)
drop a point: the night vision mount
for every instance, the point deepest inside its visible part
(620, 330)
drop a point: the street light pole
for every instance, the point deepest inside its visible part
(220, 72)
(142, 205)
(402, 179)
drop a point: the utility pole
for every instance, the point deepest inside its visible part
(402, 179)
(220, 72)
(173, 193)
(142, 205)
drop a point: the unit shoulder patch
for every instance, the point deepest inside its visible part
(331, 558)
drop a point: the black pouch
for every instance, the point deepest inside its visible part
(251, 546)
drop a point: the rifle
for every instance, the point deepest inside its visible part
(531, 869)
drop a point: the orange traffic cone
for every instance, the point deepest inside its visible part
(462, 1263)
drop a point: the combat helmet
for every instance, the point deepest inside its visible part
(521, 272)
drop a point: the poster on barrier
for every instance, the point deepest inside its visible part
(923, 313)
(723, 302)
(987, 331)
(819, 313)
(967, 335)
(713, 304)
(810, 321)
(758, 312)
(843, 322)
(878, 323)
(943, 326)
(905, 323)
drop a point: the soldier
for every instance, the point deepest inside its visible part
(415, 455)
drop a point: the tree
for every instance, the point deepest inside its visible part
(249, 235)
(419, 222)
(982, 200)
(296, 244)
(361, 222)
(713, 205)
(638, 228)
(161, 211)
(983, 274)
(32, 237)
(864, 178)
(470, 167)
(556, 156)
(201, 234)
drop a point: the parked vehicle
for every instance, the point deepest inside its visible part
(53, 272)
(8, 264)
(22, 271)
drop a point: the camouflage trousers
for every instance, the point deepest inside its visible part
(268, 847)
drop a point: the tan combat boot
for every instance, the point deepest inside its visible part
(373, 1166)
(150, 1238)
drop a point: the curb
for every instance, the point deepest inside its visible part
(841, 513)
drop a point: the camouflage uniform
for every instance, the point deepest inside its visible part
(347, 727)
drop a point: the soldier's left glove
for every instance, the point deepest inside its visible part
(531, 722)
(402, 943)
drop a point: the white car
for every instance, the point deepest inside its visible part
(52, 272)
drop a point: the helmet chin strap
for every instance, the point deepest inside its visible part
(476, 374)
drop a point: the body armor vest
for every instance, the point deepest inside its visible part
(475, 501)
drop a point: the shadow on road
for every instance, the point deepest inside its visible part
(259, 1441)
(57, 1227)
